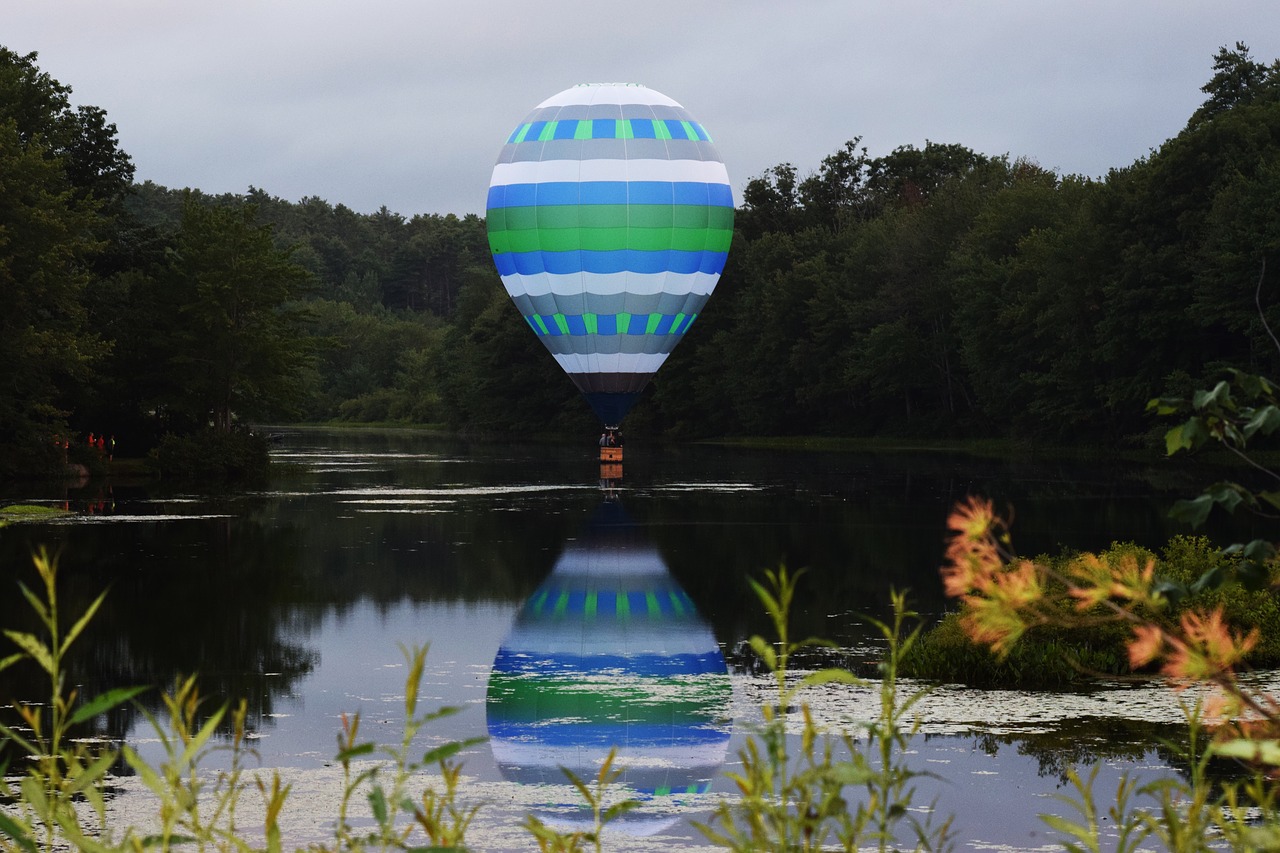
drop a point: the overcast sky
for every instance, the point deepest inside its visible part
(405, 103)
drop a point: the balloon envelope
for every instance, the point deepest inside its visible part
(609, 217)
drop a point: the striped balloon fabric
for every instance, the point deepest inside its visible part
(610, 216)
(611, 653)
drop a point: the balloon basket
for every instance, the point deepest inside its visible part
(610, 470)
(611, 454)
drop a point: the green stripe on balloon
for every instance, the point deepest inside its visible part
(685, 699)
(611, 239)
(612, 216)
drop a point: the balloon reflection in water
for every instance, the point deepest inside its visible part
(611, 652)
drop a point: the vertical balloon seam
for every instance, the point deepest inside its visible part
(590, 363)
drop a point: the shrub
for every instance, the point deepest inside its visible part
(1046, 657)
(1057, 655)
(213, 455)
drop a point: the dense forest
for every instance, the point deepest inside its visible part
(934, 292)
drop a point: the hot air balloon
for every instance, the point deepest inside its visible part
(609, 217)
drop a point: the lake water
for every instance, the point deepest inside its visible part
(565, 618)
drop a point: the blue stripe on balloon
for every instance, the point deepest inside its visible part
(642, 128)
(553, 733)
(622, 260)
(510, 662)
(609, 192)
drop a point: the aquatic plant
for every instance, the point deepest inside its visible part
(605, 807)
(436, 813)
(194, 807)
(1004, 597)
(800, 801)
(61, 770)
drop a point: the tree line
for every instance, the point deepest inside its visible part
(931, 292)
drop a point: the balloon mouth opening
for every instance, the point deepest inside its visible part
(611, 408)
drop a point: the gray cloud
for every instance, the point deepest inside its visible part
(405, 104)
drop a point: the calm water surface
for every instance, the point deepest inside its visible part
(564, 619)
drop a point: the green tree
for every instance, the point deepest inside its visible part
(58, 167)
(44, 345)
(1237, 79)
(499, 377)
(80, 139)
(238, 343)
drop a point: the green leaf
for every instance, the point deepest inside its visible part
(1211, 579)
(166, 841)
(5, 663)
(17, 832)
(448, 750)
(1262, 751)
(356, 751)
(202, 737)
(83, 620)
(1194, 512)
(1229, 495)
(1074, 830)
(849, 773)
(35, 650)
(828, 676)
(87, 778)
(27, 746)
(104, 702)
(36, 604)
(438, 713)
(766, 598)
(1254, 576)
(146, 773)
(765, 651)
(1170, 591)
(814, 642)
(618, 809)
(378, 803)
(1188, 435)
(1272, 498)
(1175, 440)
(1264, 420)
(1259, 549)
(1219, 396)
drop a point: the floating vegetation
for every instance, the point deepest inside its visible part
(31, 512)
(77, 518)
